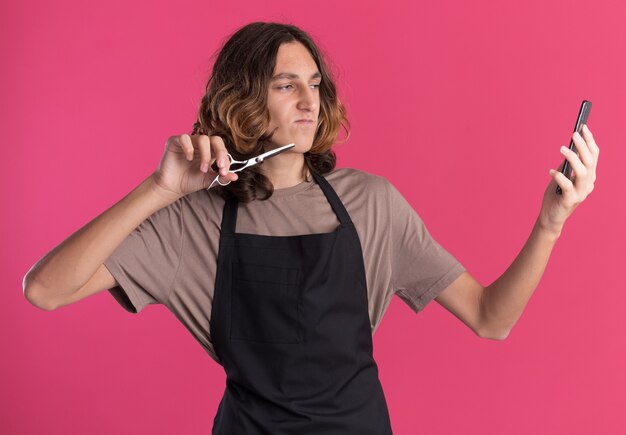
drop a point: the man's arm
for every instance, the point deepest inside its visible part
(73, 270)
(491, 312)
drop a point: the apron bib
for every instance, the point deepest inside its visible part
(291, 327)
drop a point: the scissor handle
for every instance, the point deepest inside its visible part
(216, 169)
(220, 183)
(217, 180)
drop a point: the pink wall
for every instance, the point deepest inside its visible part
(461, 105)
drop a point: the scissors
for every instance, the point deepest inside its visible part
(241, 165)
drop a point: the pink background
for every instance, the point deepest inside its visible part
(461, 105)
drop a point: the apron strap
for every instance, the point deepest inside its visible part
(333, 198)
(229, 217)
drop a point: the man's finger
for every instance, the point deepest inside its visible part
(218, 149)
(203, 143)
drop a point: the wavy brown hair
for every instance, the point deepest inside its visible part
(234, 105)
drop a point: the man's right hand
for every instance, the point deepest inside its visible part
(185, 166)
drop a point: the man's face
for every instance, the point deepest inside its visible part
(293, 97)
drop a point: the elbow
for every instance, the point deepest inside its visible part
(488, 328)
(37, 300)
(35, 296)
(493, 334)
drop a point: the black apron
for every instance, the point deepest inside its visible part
(291, 327)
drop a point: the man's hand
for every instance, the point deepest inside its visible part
(557, 208)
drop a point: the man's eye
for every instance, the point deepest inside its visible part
(286, 87)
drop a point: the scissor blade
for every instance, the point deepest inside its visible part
(272, 153)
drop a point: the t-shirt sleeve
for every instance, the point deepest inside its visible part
(421, 268)
(146, 262)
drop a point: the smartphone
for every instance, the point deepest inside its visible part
(583, 115)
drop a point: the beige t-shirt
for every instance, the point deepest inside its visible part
(170, 258)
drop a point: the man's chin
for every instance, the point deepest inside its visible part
(302, 147)
(303, 143)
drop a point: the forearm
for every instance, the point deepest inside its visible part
(70, 265)
(505, 299)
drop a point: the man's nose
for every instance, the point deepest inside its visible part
(308, 99)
